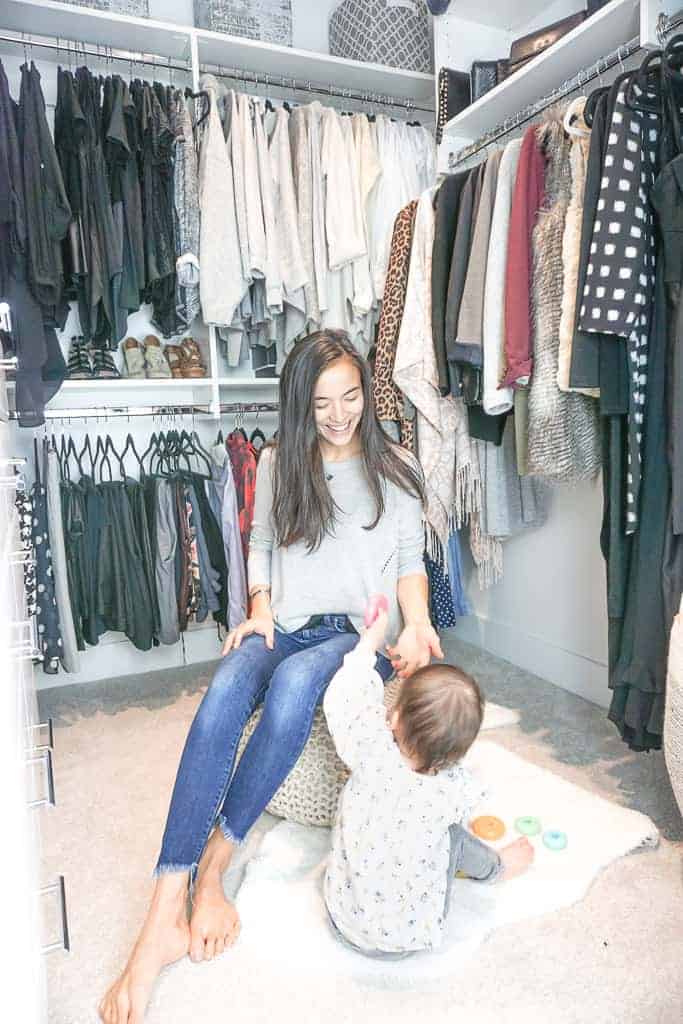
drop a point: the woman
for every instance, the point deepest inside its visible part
(338, 517)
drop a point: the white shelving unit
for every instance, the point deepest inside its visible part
(605, 31)
(198, 47)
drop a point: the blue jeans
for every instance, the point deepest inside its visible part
(290, 681)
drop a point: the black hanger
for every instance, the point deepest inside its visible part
(592, 102)
(130, 445)
(269, 107)
(203, 95)
(202, 452)
(86, 448)
(648, 80)
(101, 449)
(257, 435)
(219, 437)
(109, 447)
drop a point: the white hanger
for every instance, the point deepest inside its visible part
(575, 108)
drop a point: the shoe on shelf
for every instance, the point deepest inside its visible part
(103, 365)
(134, 358)
(78, 367)
(192, 359)
(175, 359)
(155, 363)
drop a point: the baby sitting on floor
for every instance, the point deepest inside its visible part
(398, 841)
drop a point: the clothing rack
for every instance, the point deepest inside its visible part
(78, 51)
(163, 411)
(286, 82)
(666, 24)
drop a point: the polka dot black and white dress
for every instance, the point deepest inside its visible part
(620, 277)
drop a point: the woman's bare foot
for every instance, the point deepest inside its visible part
(165, 938)
(215, 923)
(516, 858)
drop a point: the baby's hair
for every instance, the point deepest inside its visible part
(440, 713)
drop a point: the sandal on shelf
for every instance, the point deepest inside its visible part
(78, 367)
(192, 359)
(103, 365)
(155, 363)
(175, 360)
(134, 358)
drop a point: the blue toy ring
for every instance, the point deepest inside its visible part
(554, 839)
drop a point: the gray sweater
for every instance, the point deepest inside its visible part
(351, 564)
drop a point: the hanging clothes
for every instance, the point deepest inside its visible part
(187, 219)
(446, 204)
(48, 626)
(564, 440)
(243, 462)
(40, 363)
(441, 608)
(222, 495)
(389, 400)
(580, 136)
(496, 399)
(526, 204)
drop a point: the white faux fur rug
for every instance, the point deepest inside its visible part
(283, 917)
(496, 716)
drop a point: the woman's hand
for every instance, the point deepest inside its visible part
(414, 649)
(263, 624)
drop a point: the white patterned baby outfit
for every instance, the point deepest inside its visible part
(386, 880)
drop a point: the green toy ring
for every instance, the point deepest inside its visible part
(528, 826)
(554, 839)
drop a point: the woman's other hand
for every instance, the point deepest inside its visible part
(414, 649)
(263, 624)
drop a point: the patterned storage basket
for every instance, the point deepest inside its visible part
(673, 715)
(310, 792)
(392, 32)
(268, 20)
(135, 8)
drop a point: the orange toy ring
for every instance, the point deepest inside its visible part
(488, 827)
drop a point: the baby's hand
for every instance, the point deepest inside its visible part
(372, 638)
(517, 857)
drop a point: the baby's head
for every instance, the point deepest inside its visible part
(436, 717)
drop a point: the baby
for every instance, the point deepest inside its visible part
(397, 841)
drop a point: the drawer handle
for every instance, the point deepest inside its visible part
(33, 730)
(64, 943)
(44, 757)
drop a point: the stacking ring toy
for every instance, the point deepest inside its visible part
(528, 826)
(376, 605)
(487, 826)
(554, 839)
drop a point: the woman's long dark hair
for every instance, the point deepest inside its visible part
(303, 508)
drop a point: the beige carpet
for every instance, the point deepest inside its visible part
(613, 958)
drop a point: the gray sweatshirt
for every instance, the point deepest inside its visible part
(351, 564)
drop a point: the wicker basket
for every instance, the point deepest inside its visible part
(392, 32)
(673, 715)
(310, 792)
(134, 8)
(267, 20)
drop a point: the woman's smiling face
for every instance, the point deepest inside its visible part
(338, 407)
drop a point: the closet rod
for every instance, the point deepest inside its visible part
(665, 26)
(250, 407)
(107, 412)
(107, 53)
(255, 79)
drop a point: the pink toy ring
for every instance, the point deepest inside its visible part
(377, 604)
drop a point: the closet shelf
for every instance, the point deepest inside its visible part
(217, 49)
(70, 22)
(248, 383)
(125, 384)
(605, 31)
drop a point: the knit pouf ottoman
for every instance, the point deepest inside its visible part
(673, 715)
(310, 792)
